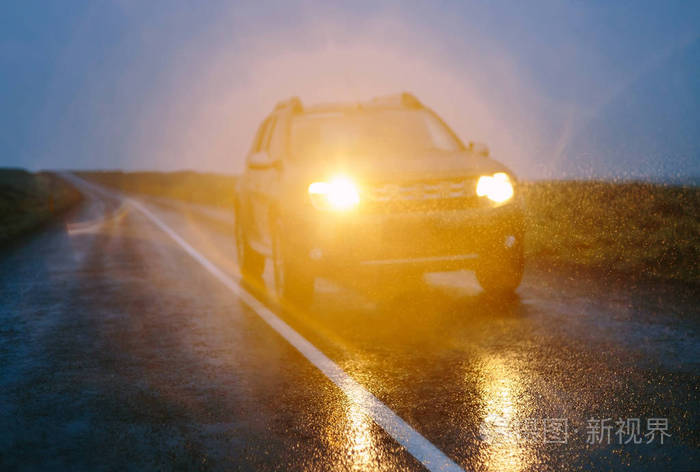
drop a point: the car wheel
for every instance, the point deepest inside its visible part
(500, 271)
(251, 262)
(293, 282)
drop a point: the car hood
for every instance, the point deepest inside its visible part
(407, 167)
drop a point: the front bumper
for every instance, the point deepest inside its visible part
(449, 239)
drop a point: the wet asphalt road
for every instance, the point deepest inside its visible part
(119, 351)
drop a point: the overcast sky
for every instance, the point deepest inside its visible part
(556, 89)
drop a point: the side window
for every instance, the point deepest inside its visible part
(276, 146)
(269, 132)
(257, 142)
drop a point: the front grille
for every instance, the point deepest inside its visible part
(425, 195)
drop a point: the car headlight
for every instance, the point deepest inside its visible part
(496, 187)
(339, 193)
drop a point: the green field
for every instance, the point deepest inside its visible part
(635, 230)
(28, 200)
(640, 230)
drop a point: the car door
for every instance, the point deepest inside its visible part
(248, 185)
(263, 174)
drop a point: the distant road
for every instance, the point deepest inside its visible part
(128, 342)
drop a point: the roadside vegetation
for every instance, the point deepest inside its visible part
(639, 230)
(631, 229)
(28, 200)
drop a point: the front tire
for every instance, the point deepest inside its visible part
(293, 282)
(500, 271)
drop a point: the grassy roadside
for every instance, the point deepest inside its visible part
(28, 200)
(633, 230)
(637, 230)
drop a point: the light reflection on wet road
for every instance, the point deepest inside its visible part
(120, 351)
(499, 392)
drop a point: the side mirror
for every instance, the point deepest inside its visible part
(262, 160)
(480, 149)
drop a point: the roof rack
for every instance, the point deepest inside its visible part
(404, 99)
(294, 103)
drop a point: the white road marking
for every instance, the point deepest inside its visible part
(422, 449)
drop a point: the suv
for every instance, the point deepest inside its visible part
(381, 187)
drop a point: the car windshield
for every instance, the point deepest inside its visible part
(369, 132)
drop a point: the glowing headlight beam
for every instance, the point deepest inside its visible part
(340, 193)
(496, 187)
